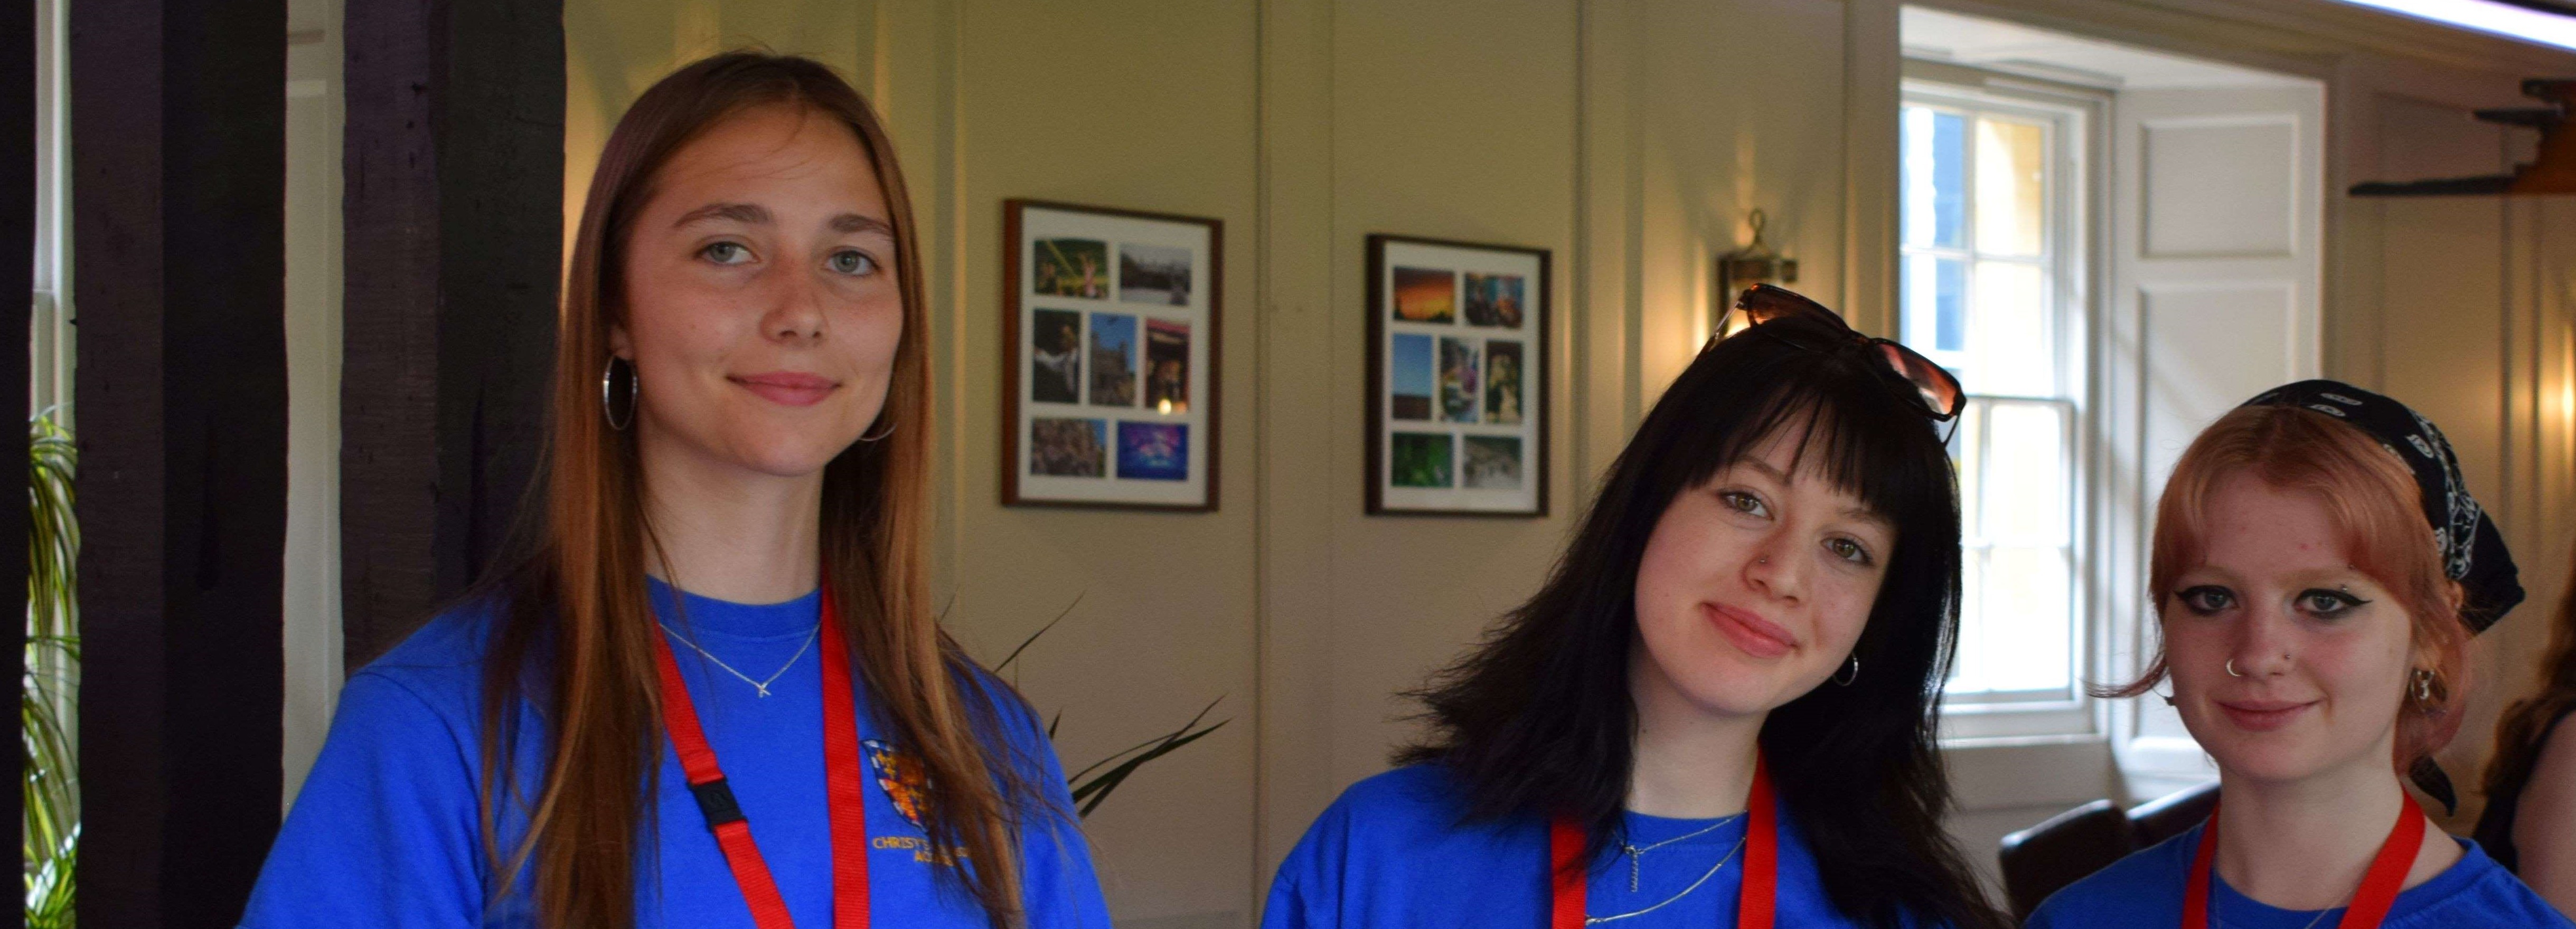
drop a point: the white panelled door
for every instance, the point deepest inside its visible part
(2215, 279)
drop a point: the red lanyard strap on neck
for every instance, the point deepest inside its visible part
(841, 786)
(1754, 906)
(2370, 903)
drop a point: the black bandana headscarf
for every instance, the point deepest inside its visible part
(2473, 552)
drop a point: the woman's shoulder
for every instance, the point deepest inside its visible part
(439, 664)
(2475, 891)
(1415, 808)
(1428, 795)
(1397, 846)
(2142, 889)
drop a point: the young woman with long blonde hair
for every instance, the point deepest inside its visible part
(713, 692)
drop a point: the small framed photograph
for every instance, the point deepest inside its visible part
(1110, 350)
(1457, 378)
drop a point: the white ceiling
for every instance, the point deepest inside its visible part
(1942, 36)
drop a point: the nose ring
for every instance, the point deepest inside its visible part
(2231, 668)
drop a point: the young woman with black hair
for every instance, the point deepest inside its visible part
(1719, 710)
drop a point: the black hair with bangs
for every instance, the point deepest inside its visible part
(1538, 720)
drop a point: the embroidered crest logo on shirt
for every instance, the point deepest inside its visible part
(901, 777)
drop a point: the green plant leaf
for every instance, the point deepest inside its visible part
(47, 711)
(1033, 637)
(1093, 792)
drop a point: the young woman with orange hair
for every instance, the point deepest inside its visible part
(713, 693)
(2314, 631)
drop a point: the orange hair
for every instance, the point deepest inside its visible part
(2373, 503)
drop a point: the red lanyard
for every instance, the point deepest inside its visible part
(2370, 904)
(1753, 908)
(841, 787)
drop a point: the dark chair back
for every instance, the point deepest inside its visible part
(2042, 859)
(2039, 860)
(2172, 814)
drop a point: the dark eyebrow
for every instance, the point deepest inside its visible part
(757, 215)
(853, 222)
(751, 213)
(1861, 513)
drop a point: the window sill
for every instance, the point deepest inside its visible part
(2018, 772)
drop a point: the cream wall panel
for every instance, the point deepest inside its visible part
(1736, 121)
(1147, 106)
(1458, 127)
(1299, 316)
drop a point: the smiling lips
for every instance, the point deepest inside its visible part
(788, 388)
(1758, 637)
(2263, 715)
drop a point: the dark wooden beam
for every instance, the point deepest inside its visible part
(453, 217)
(17, 239)
(178, 115)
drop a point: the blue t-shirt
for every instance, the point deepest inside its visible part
(1393, 854)
(2144, 891)
(387, 833)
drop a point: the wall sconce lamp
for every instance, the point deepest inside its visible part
(1758, 263)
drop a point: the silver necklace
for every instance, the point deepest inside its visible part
(760, 685)
(1637, 855)
(1686, 891)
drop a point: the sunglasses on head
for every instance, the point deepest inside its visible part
(1934, 388)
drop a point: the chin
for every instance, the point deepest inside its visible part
(2271, 756)
(796, 456)
(1731, 686)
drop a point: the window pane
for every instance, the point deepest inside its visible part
(1968, 669)
(2010, 351)
(1936, 306)
(1969, 453)
(2010, 182)
(2026, 453)
(1935, 202)
(2025, 619)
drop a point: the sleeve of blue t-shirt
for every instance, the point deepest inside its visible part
(386, 829)
(1301, 896)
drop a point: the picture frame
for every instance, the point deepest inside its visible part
(1458, 368)
(1111, 357)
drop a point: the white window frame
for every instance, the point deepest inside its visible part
(2077, 187)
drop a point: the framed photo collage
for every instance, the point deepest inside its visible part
(1111, 325)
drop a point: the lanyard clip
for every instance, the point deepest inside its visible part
(715, 800)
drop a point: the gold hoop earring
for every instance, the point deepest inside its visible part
(2428, 690)
(607, 393)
